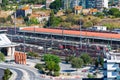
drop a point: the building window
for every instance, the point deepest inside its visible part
(114, 73)
(115, 66)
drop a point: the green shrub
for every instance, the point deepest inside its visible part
(56, 73)
(39, 66)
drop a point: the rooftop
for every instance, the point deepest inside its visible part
(24, 7)
(5, 42)
(78, 7)
(74, 33)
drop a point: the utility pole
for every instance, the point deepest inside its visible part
(15, 22)
(51, 40)
(24, 43)
(80, 34)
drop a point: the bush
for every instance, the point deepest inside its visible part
(39, 66)
(2, 57)
(90, 76)
(56, 73)
(7, 74)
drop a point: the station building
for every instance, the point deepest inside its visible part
(74, 36)
(7, 47)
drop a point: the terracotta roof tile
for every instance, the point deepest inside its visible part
(78, 7)
(77, 33)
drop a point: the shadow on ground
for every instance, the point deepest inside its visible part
(68, 70)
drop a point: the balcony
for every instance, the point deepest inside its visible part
(118, 69)
(118, 77)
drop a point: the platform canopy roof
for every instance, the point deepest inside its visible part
(5, 42)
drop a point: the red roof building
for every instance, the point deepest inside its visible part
(75, 33)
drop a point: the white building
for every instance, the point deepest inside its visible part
(48, 2)
(101, 4)
(112, 66)
(105, 3)
(7, 47)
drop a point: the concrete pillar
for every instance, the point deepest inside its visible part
(9, 51)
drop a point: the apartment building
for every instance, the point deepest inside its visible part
(90, 3)
(99, 4)
(112, 66)
(66, 4)
(114, 2)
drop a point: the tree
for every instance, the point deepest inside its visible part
(101, 59)
(4, 3)
(66, 24)
(117, 14)
(88, 24)
(2, 57)
(56, 67)
(2, 20)
(68, 11)
(69, 59)
(7, 74)
(36, 55)
(34, 21)
(51, 57)
(105, 11)
(99, 14)
(112, 11)
(51, 63)
(96, 63)
(86, 58)
(90, 76)
(51, 19)
(56, 73)
(32, 54)
(77, 63)
(56, 5)
(9, 18)
(39, 66)
(95, 20)
(26, 19)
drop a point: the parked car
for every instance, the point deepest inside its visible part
(84, 70)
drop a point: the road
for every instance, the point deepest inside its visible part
(19, 73)
(23, 72)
